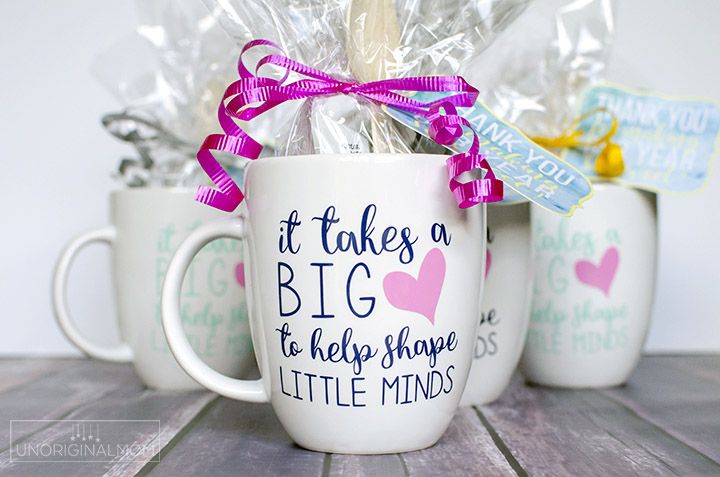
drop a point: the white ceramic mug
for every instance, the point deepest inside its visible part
(363, 292)
(505, 305)
(148, 224)
(594, 285)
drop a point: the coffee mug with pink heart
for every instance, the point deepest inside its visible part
(363, 280)
(594, 284)
(148, 223)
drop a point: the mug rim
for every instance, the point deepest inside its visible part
(369, 157)
(609, 184)
(153, 190)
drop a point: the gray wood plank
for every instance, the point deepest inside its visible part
(18, 372)
(53, 395)
(680, 395)
(386, 465)
(184, 406)
(577, 432)
(703, 366)
(117, 415)
(666, 421)
(237, 438)
(466, 449)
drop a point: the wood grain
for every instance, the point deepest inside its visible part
(679, 395)
(54, 395)
(124, 407)
(665, 421)
(568, 432)
(17, 372)
(343, 465)
(466, 449)
(237, 438)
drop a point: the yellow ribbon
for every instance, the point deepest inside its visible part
(609, 162)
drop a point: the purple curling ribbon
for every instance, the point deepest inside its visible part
(252, 95)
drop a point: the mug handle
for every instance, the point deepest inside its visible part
(120, 353)
(242, 389)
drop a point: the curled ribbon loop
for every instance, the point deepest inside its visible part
(446, 129)
(251, 95)
(609, 162)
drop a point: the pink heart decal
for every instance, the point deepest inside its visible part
(422, 295)
(488, 261)
(599, 276)
(240, 274)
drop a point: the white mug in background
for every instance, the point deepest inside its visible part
(148, 224)
(594, 286)
(505, 305)
(364, 282)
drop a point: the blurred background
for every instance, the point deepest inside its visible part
(57, 159)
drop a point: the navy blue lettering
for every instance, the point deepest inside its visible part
(310, 386)
(429, 348)
(345, 351)
(286, 285)
(321, 266)
(395, 384)
(450, 384)
(439, 233)
(348, 241)
(369, 299)
(282, 384)
(285, 243)
(337, 394)
(290, 348)
(355, 392)
(296, 395)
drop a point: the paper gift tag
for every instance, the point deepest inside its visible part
(667, 143)
(529, 171)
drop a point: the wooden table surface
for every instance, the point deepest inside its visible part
(665, 421)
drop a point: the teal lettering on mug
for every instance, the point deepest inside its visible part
(204, 345)
(591, 342)
(613, 236)
(548, 314)
(164, 244)
(593, 325)
(189, 285)
(545, 341)
(237, 344)
(588, 313)
(208, 273)
(206, 316)
(222, 247)
(558, 283)
(238, 317)
(216, 284)
(560, 240)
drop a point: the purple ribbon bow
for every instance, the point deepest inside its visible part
(252, 95)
